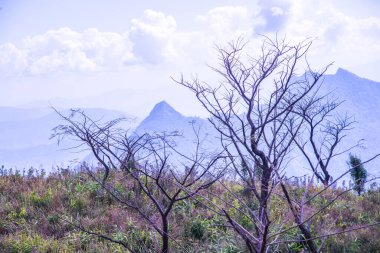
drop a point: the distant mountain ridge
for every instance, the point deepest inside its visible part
(361, 98)
(161, 116)
(164, 118)
(27, 132)
(25, 140)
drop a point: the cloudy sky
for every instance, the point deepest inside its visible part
(82, 49)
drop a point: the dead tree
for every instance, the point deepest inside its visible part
(252, 109)
(321, 136)
(145, 160)
(302, 220)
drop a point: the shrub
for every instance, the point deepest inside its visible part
(358, 173)
(41, 201)
(197, 229)
(231, 249)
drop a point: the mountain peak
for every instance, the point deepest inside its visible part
(344, 73)
(164, 110)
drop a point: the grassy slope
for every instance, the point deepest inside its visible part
(33, 209)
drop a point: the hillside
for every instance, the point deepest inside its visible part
(41, 214)
(25, 138)
(25, 132)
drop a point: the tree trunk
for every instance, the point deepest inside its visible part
(305, 232)
(165, 235)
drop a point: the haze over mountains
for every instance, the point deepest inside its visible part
(25, 132)
(25, 138)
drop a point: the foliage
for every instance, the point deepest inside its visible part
(36, 215)
(358, 173)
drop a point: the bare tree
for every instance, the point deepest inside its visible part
(252, 109)
(146, 160)
(262, 110)
(303, 221)
(322, 133)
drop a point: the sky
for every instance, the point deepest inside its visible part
(77, 50)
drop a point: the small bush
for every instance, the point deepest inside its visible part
(231, 249)
(41, 201)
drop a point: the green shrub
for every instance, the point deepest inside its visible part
(41, 201)
(197, 229)
(77, 204)
(53, 219)
(231, 249)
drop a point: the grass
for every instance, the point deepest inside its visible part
(37, 214)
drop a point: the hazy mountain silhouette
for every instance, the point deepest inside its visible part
(361, 101)
(188, 130)
(24, 133)
(25, 140)
(163, 117)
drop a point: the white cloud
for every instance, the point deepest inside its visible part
(277, 11)
(152, 36)
(12, 60)
(342, 38)
(156, 39)
(64, 50)
(227, 22)
(348, 40)
(70, 61)
(273, 14)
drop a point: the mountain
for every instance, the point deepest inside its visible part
(361, 100)
(113, 100)
(12, 114)
(360, 94)
(25, 139)
(164, 118)
(25, 132)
